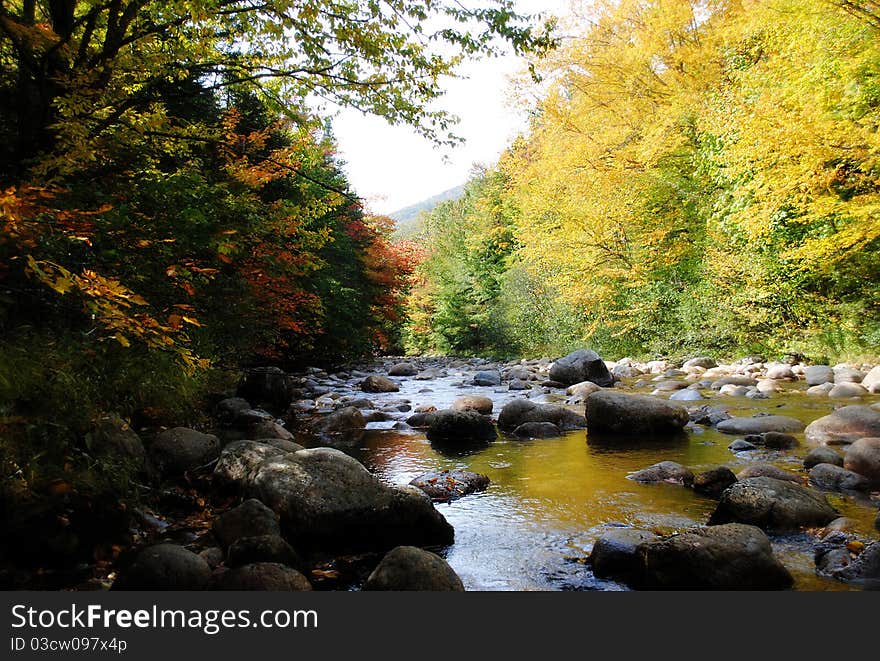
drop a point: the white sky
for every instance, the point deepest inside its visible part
(392, 166)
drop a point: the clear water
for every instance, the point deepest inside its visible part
(550, 499)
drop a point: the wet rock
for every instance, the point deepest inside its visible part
(114, 439)
(581, 365)
(240, 460)
(687, 395)
(709, 415)
(176, 451)
(582, 390)
(822, 455)
(774, 440)
(516, 384)
(617, 413)
(772, 504)
(760, 424)
(358, 403)
(268, 386)
(264, 576)
(450, 484)
(250, 519)
(665, 471)
(213, 556)
(403, 369)
(263, 548)
(829, 477)
(845, 425)
(615, 554)
(768, 470)
(487, 378)
(714, 481)
(521, 411)
(862, 569)
(476, 403)
(846, 390)
(863, 457)
(411, 568)
(165, 567)
(421, 420)
(328, 500)
(816, 375)
(464, 426)
(269, 429)
(377, 384)
(741, 445)
(342, 420)
(537, 430)
(731, 556)
(228, 410)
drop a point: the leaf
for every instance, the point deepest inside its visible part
(122, 340)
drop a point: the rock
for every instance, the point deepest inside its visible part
(768, 386)
(262, 548)
(687, 395)
(700, 361)
(537, 430)
(741, 445)
(359, 403)
(846, 389)
(268, 386)
(450, 484)
(731, 556)
(378, 384)
(176, 451)
(228, 410)
(780, 372)
(768, 470)
(516, 384)
(421, 420)
(760, 424)
(411, 568)
(342, 420)
(843, 374)
(863, 457)
(250, 519)
(822, 455)
(829, 477)
(463, 426)
(582, 390)
(745, 381)
(670, 386)
(114, 439)
(487, 378)
(240, 460)
(731, 390)
(772, 504)
(266, 429)
(774, 440)
(581, 365)
(520, 411)
(213, 556)
(839, 563)
(816, 375)
(877, 521)
(665, 471)
(403, 369)
(626, 372)
(264, 576)
(328, 500)
(709, 415)
(617, 413)
(714, 481)
(843, 426)
(476, 403)
(871, 382)
(165, 567)
(615, 554)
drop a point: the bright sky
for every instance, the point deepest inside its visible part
(393, 167)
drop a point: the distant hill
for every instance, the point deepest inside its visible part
(407, 219)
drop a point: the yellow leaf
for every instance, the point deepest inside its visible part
(122, 340)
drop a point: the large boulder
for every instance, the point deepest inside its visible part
(473, 403)
(264, 576)
(816, 375)
(731, 556)
(240, 460)
(771, 504)
(665, 471)
(537, 430)
(328, 500)
(822, 455)
(165, 567)
(581, 365)
(837, 561)
(487, 378)
(615, 554)
(760, 424)
(714, 482)
(618, 413)
(871, 382)
(403, 369)
(341, 421)
(378, 384)
(845, 425)
(520, 411)
(450, 484)
(829, 477)
(249, 519)
(761, 469)
(411, 568)
(176, 451)
(863, 457)
(460, 426)
(267, 386)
